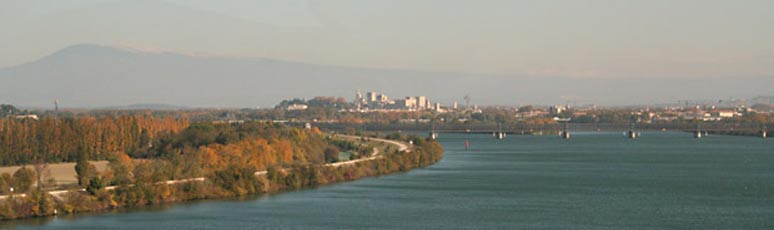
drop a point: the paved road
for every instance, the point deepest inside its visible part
(401, 146)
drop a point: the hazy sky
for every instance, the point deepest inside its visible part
(571, 38)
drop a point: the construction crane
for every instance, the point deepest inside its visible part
(56, 113)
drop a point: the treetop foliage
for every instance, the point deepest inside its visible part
(52, 139)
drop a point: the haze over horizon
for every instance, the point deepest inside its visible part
(89, 76)
(521, 51)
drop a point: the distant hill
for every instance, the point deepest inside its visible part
(101, 76)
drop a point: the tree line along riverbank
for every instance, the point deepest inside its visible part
(207, 160)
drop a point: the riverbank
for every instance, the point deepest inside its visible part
(222, 184)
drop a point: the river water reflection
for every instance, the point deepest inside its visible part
(663, 180)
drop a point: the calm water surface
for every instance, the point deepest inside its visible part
(593, 181)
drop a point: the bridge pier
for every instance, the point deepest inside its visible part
(499, 135)
(632, 134)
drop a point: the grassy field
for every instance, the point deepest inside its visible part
(63, 173)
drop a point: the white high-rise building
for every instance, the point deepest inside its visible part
(371, 96)
(422, 102)
(382, 98)
(358, 98)
(409, 103)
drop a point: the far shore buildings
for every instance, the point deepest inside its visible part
(297, 107)
(374, 101)
(557, 109)
(28, 116)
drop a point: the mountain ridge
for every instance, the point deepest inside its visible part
(92, 75)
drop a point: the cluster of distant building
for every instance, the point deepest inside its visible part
(374, 101)
(647, 115)
(379, 102)
(703, 113)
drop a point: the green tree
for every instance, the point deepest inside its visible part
(42, 206)
(23, 180)
(84, 169)
(331, 154)
(417, 140)
(95, 185)
(6, 110)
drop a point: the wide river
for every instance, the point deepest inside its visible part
(664, 180)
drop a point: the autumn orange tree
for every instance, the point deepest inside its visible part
(52, 139)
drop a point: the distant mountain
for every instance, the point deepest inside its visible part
(100, 76)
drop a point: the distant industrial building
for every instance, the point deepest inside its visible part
(723, 113)
(296, 107)
(29, 116)
(557, 109)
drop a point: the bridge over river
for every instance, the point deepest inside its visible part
(488, 128)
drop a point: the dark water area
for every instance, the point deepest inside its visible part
(663, 180)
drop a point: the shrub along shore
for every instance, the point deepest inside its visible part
(226, 157)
